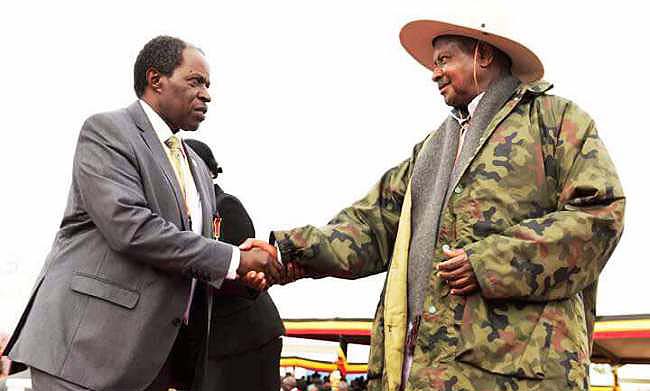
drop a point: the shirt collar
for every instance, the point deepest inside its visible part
(471, 107)
(163, 131)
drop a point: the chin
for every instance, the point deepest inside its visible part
(449, 102)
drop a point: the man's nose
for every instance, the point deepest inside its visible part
(437, 74)
(204, 95)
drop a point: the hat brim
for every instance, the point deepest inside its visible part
(417, 38)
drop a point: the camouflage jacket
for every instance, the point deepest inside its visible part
(539, 210)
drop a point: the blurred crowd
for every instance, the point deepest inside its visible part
(317, 382)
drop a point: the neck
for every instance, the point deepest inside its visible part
(155, 105)
(484, 85)
(489, 81)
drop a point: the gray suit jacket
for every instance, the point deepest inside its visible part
(108, 303)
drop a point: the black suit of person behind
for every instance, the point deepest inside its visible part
(245, 345)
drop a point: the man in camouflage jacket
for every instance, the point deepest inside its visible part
(514, 212)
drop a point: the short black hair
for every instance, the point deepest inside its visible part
(163, 53)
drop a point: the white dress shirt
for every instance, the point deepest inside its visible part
(192, 196)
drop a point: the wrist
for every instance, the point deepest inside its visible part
(241, 269)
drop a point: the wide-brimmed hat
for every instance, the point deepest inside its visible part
(417, 38)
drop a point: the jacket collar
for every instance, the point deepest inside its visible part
(152, 141)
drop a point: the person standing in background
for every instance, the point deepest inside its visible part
(245, 345)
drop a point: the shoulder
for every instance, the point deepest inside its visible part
(111, 120)
(551, 109)
(115, 128)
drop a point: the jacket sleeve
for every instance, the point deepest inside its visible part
(107, 178)
(559, 254)
(357, 242)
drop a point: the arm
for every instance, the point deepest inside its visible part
(561, 253)
(359, 241)
(107, 178)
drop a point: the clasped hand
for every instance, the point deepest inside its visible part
(259, 267)
(457, 272)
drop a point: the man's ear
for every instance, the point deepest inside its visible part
(154, 80)
(485, 54)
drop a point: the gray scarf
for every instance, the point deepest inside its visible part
(433, 173)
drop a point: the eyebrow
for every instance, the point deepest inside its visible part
(443, 52)
(199, 76)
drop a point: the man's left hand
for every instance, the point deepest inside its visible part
(255, 280)
(457, 271)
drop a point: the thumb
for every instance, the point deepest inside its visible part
(247, 245)
(449, 252)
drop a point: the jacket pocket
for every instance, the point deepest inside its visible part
(103, 289)
(504, 338)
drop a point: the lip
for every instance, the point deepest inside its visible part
(441, 88)
(200, 114)
(200, 111)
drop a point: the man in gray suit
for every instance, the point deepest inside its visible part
(122, 302)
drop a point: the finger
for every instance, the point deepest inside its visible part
(456, 273)
(461, 282)
(259, 276)
(269, 248)
(465, 291)
(274, 268)
(449, 252)
(300, 271)
(253, 280)
(291, 272)
(260, 281)
(452, 264)
(260, 244)
(260, 284)
(247, 245)
(248, 277)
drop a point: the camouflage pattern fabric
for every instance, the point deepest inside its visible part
(539, 210)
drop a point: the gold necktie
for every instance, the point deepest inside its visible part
(176, 155)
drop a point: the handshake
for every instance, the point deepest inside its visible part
(260, 268)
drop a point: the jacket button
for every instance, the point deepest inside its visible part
(458, 189)
(432, 310)
(176, 322)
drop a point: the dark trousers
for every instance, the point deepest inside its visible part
(257, 370)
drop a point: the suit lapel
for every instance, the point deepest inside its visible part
(153, 142)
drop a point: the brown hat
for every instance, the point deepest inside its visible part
(417, 38)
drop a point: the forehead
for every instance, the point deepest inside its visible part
(194, 62)
(448, 44)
